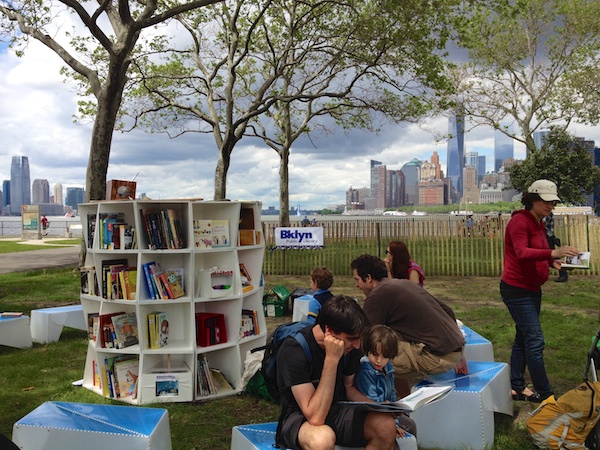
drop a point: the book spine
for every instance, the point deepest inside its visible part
(148, 278)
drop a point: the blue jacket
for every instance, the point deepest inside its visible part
(378, 385)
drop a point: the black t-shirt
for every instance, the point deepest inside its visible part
(293, 369)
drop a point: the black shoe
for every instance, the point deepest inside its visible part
(561, 279)
(533, 398)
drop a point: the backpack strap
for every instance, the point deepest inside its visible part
(304, 344)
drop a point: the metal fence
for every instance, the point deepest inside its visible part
(57, 227)
(441, 245)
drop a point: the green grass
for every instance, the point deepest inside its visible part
(570, 315)
(12, 246)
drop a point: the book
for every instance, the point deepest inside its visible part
(126, 331)
(173, 281)
(162, 328)
(221, 382)
(92, 320)
(106, 278)
(245, 279)
(220, 233)
(126, 371)
(411, 402)
(149, 280)
(152, 339)
(581, 261)
(202, 234)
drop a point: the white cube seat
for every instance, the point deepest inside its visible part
(261, 436)
(47, 323)
(73, 426)
(477, 347)
(465, 417)
(15, 332)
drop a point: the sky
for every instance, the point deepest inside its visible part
(36, 120)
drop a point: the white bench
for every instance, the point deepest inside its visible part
(465, 417)
(261, 436)
(47, 323)
(477, 347)
(73, 426)
(14, 331)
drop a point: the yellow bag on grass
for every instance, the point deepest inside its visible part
(565, 423)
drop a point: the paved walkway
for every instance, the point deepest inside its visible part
(39, 259)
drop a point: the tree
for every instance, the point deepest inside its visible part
(99, 58)
(275, 68)
(524, 59)
(563, 159)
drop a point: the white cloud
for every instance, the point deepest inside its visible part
(36, 121)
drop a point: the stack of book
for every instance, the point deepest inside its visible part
(119, 280)
(114, 232)
(249, 323)
(210, 329)
(115, 330)
(158, 329)
(117, 377)
(163, 285)
(163, 229)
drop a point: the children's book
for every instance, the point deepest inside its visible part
(581, 261)
(411, 402)
(202, 234)
(174, 282)
(220, 233)
(126, 332)
(126, 371)
(162, 327)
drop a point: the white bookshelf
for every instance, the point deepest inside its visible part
(207, 291)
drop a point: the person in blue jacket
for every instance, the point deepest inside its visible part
(321, 279)
(375, 379)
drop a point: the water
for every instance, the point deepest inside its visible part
(58, 226)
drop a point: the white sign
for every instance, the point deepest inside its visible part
(299, 237)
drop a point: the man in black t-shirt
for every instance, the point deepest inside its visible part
(310, 416)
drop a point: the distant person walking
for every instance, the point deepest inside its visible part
(45, 223)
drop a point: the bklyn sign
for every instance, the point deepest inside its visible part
(299, 237)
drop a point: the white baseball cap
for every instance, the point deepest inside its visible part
(546, 189)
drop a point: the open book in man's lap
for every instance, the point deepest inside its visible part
(420, 397)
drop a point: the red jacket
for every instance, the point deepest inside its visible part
(527, 255)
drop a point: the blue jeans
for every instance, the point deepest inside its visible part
(528, 347)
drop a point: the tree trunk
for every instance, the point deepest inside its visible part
(284, 188)
(221, 172)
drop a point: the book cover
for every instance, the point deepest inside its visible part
(166, 286)
(152, 339)
(162, 327)
(126, 371)
(174, 283)
(581, 261)
(149, 280)
(92, 321)
(221, 382)
(411, 402)
(220, 233)
(202, 234)
(125, 326)
(156, 272)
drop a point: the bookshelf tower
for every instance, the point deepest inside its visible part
(139, 253)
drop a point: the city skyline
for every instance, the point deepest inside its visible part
(36, 119)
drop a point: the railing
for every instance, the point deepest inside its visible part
(57, 227)
(442, 245)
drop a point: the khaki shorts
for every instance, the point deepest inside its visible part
(416, 359)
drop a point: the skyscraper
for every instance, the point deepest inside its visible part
(58, 193)
(75, 197)
(504, 147)
(412, 176)
(6, 193)
(539, 137)
(40, 192)
(20, 184)
(455, 161)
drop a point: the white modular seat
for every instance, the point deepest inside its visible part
(73, 426)
(15, 331)
(47, 323)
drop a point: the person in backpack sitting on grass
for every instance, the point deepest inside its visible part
(310, 417)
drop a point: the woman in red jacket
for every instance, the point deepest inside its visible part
(527, 260)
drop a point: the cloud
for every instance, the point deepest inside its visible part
(36, 120)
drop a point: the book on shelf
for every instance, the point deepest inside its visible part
(205, 383)
(202, 234)
(220, 233)
(411, 402)
(163, 229)
(106, 275)
(91, 229)
(93, 320)
(245, 278)
(126, 332)
(106, 330)
(116, 281)
(110, 235)
(177, 228)
(173, 281)
(210, 329)
(581, 261)
(221, 382)
(249, 323)
(158, 329)
(126, 371)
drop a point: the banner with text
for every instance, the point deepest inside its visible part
(299, 237)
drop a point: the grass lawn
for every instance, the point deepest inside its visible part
(570, 316)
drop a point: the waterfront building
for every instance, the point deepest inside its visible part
(504, 147)
(455, 161)
(20, 184)
(40, 192)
